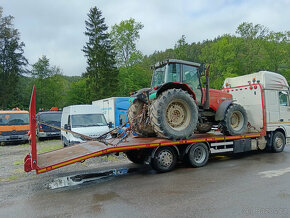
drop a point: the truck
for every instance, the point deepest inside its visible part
(264, 96)
(14, 125)
(88, 120)
(52, 117)
(115, 110)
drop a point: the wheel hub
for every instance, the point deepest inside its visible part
(199, 155)
(165, 158)
(236, 120)
(279, 142)
(176, 114)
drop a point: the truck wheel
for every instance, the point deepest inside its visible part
(198, 155)
(235, 121)
(164, 159)
(174, 115)
(139, 123)
(278, 143)
(136, 156)
(204, 127)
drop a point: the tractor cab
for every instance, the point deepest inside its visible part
(179, 71)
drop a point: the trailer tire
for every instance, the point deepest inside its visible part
(235, 121)
(139, 125)
(136, 156)
(164, 159)
(198, 155)
(174, 114)
(278, 143)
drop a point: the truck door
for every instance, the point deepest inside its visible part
(285, 111)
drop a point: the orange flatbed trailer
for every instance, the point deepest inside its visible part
(65, 156)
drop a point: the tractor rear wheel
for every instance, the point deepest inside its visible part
(139, 119)
(174, 114)
(235, 121)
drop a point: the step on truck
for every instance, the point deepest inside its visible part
(264, 96)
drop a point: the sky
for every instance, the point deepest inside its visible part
(55, 28)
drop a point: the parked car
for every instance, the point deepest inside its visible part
(87, 120)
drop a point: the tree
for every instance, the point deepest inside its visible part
(49, 83)
(101, 72)
(124, 37)
(12, 60)
(42, 69)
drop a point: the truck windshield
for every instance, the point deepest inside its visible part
(50, 117)
(14, 119)
(86, 120)
(158, 76)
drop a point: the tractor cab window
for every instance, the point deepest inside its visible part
(284, 99)
(173, 73)
(158, 76)
(191, 78)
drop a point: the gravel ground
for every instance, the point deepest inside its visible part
(14, 181)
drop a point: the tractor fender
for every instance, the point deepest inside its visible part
(220, 113)
(176, 85)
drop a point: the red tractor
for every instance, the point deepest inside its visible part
(176, 105)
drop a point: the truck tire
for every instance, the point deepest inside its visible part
(278, 143)
(139, 124)
(204, 127)
(174, 115)
(198, 155)
(164, 160)
(136, 156)
(235, 121)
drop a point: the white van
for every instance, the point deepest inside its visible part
(88, 120)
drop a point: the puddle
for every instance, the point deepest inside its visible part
(98, 177)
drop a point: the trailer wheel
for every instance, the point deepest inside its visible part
(278, 143)
(136, 156)
(198, 155)
(174, 114)
(235, 121)
(164, 160)
(140, 124)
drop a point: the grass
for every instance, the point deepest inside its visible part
(9, 178)
(49, 148)
(18, 162)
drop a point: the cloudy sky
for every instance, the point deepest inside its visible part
(55, 27)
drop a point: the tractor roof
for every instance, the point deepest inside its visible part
(167, 61)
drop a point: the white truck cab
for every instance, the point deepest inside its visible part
(88, 120)
(274, 115)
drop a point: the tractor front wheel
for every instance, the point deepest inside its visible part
(235, 121)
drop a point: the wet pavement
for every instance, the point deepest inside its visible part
(251, 185)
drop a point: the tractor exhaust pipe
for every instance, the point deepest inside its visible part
(206, 103)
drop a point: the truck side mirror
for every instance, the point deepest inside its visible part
(110, 124)
(66, 127)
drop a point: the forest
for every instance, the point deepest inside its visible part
(115, 67)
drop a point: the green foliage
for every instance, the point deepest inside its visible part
(12, 61)
(78, 93)
(101, 72)
(124, 37)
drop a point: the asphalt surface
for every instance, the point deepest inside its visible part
(255, 184)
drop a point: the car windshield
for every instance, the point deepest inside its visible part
(158, 76)
(86, 120)
(50, 117)
(14, 119)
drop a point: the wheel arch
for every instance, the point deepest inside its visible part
(176, 85)
(220, 113)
